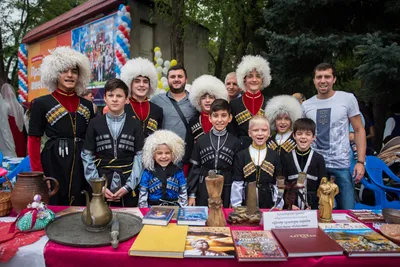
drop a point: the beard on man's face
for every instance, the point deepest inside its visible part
(177, 90)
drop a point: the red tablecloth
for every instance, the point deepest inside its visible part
(61, 256)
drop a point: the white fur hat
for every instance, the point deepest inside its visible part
(60, 59)
(250, 63)
(283, 104)
(207, 84)
(162, 137)
(139, 67)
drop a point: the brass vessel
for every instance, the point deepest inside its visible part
(97, 214)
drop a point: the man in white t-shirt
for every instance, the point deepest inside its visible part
(331, 110)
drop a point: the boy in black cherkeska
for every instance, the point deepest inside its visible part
(213, 151)
(63, 117)
(303, 161)
(113, 147)
(259, 164)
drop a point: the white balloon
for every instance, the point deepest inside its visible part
(167, 63)
(163, 79)
(159, 69)
(158, 54)
(165, 70)
(160, 61)
(165, 85)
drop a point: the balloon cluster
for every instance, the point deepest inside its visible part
(22, 73)
(162, 71)
(122, 47)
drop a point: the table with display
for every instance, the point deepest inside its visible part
(59, 256)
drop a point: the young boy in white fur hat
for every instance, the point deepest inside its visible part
(282, 111)
(140, 75)
(64, 117)
(163, 182)
(204, 90)
(253, 75)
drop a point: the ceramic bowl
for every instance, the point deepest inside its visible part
(391, 215)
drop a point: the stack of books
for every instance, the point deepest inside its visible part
(185, 215)
(158, 216)
(193, 216)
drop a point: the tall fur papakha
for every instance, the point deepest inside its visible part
(61, 59)
(162, 137)
(139, 67)
(283, 104)
(206, 84)
(250, 63)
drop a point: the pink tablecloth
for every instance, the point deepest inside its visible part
(62, 256)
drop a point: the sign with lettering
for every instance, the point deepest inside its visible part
(290, 219)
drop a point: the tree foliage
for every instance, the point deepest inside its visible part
(359, 37)
(17, 17)
(231, 24)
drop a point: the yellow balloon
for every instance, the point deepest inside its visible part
(155, 59)
(159, 84)
(156, 49)
(159, 75)
(173, 62)
(157, 65)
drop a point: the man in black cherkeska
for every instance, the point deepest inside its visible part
(213, 151)
(113, 147)
(303, 160)
(63, 116)
(140, 75)
(253, 75)
(259, 164)
(282, 111)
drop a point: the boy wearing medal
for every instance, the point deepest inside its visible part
(303, 168)
(213, 151)
(282, 111)
(256, 163)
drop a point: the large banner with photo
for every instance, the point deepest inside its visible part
(95, 40)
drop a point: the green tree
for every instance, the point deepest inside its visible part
(17, 17)
(231, 24)
(300, 34)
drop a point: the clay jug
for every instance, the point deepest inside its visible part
(28, 185)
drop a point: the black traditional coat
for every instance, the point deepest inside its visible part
(61, 155)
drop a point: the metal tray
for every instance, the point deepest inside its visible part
(69, 230)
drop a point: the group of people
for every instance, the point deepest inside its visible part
(158, 150)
